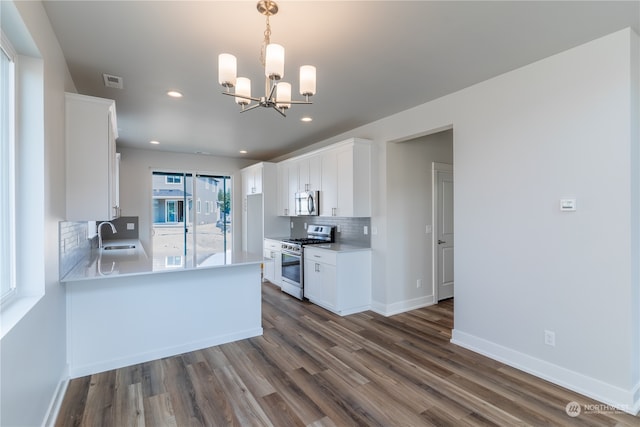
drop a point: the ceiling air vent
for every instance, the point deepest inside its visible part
(112, 81)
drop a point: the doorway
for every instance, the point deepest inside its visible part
(443, 232)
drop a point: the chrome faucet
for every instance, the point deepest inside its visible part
(113, 230)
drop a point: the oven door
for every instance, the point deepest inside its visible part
(292, 274)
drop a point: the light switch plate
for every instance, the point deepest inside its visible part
(567, 205)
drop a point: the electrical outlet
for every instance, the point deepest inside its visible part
(428, 229)
(418, 283)
(131, 226)
(338, 229)
(550, 338)
(366, 230)
(292, 225)
(305, 225)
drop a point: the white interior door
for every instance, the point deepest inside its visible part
(444, 238)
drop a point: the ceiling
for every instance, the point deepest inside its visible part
(373, 59)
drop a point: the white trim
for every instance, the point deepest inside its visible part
(401, 306)
(580, 383)
(56, 401)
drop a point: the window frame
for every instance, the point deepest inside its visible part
(8, 161)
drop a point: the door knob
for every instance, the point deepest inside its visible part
(441, 242)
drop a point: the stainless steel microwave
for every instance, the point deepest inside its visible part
(307, 203)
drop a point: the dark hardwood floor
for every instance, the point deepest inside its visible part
(312, 368)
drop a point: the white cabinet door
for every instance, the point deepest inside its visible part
(309, 173)
(283, 189)
(329, 187)
(287, 187)
(268, 271)
(312, 282)
(346, 180)
(273, 268)
(91, 159)
(252, 180)
(338, 281)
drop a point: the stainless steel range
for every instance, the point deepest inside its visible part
(293, 257)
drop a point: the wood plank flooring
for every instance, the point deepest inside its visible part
(312, 368)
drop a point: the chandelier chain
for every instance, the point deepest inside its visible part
(265, 42)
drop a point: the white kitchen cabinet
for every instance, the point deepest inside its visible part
(260, 206)
(338, 281)
(287, 186)
(309, 173)
(91, 160)
(273, 268)
(346, 179)
(252, 179)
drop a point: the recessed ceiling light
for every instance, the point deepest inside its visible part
(174, 94)
(306, 119)
(243, 151)
(154, 142)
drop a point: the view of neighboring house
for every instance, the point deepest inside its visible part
(173, 199)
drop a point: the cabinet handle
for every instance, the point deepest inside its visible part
(333, 211)
(286, 212)
(317, 267)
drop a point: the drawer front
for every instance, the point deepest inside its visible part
(272, 245)
(326, 257)
(270, 253)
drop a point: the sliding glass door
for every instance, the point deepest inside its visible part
(191, 217)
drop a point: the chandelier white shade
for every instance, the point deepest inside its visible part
(277, 93)
(227, 70)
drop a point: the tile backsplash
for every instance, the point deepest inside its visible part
(74, 244)
(351, 229)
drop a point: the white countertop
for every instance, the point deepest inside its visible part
(337, 247)
(104, 264)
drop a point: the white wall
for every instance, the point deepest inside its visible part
(409, 186)
(566, 126)
(32, 353)
(136, 167)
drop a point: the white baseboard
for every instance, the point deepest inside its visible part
(402, 306)
(622, 399)
(106, 365)
(56, 400)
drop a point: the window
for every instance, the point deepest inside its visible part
(22, 170)
(7, 172)
(173, 179)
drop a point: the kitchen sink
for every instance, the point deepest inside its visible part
(111, 248)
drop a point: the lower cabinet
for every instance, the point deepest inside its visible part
(272, 269)
(338, 281)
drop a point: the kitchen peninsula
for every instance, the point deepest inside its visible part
(126, 311)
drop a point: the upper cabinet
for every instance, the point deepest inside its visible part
(342, 174)
(91, 160)
(260, 206)
(346, 180)
(252, 179)
(309, 173)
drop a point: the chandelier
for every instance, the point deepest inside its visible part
(277, 94)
